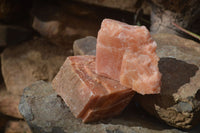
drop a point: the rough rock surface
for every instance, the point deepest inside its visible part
(17, 127)
(46, 112)
(178, 104)
(11, 35)
(31, 61)
(9, 104)
(85, 46)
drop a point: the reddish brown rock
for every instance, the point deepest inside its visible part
(88, 95)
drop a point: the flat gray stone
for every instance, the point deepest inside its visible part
(46, 112)
(85, 46)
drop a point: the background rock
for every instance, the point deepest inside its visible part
(62, 22)
(11, 35)
(17, 127)
(178, 104)
(46, 112)
(31, 61)
(9, 104)
(128, 5)
(85, 46)
(184, 13)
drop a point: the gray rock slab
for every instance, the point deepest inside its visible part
(178, 104)
(46, 112)
(85, 46)
(30, 61)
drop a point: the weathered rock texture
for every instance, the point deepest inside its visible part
(62, 22)
(17, 127)
(178, 104)
(46, 112)
(11, 35)
(184, 13)
(31, 61)
(85, 46)
(9, 104)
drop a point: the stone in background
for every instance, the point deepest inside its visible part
(62, 22)
(30, 61)
(184, 13)
(9, 104)
(17, 127)
(85, 46)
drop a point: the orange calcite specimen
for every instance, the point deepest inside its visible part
(127, 53)
(89, 96)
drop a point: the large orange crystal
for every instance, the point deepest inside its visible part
(128, 54)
